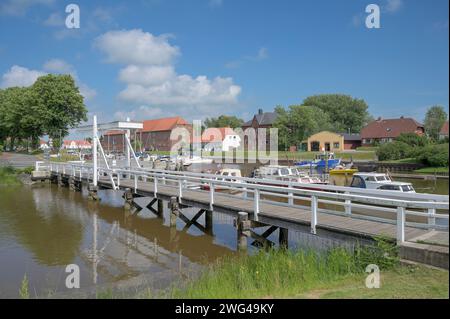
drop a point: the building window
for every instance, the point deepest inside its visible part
(336, 145)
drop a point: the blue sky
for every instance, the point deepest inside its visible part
(197, 58)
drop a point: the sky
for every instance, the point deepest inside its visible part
(148, 59)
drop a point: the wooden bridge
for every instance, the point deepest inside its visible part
(323, 210)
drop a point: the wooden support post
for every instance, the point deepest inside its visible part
(60, 180)
(283, 237)
(242, 220)
(209, 222)
(160, 208)
(174, 211)
(72, 183)
(93, 192)
(128, 197)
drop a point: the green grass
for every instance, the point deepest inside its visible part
(367, 148)
(432, 170)
(307, 274)
(404, 160)
(8, 176)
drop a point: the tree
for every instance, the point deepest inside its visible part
(298, 123)
(58, 103)
(434, 119)
(346, 113)
(224, 121)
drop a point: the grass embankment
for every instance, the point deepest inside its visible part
(432, 170)
(8, 175)
(338, 273)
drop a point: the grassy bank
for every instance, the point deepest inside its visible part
(337, 274)
(9, 175)
(432, 170)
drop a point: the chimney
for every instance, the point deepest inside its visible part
(379, 119)
(402, 117)
(260, 111)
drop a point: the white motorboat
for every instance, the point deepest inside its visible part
(380, 181)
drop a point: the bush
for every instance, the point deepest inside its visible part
(394, 151)
(434, 155)
(413, 139)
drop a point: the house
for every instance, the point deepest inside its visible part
(443, 133)
(43, 145)
(386, 130)
(262, 120)
(220, 139)
(331, 142)
(154, 136)
(76, 145)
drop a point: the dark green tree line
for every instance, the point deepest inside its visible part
(51, 106)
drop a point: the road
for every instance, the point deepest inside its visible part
(17, 160)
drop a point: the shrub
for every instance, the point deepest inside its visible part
(434, 155)
(413, 139)
(394, 151)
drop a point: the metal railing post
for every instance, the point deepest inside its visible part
(155, 180)
(348, 206)
(256, 199)
(180, 188)
(211, 195)
(314, 207)
(431, 217)
(400, 225)
(135, 183)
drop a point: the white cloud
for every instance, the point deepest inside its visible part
(20, 7)
(393, 6)
(143, 112)
(261, 55)
(20, 76)
(55, 20)
(136, 47)
(146, 75)
(215, 3)
(151, 78)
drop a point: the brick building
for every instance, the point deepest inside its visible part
(387, 130)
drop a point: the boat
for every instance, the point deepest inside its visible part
(234, 172)
(196, 160)
(380, 181)
(343, 170)
(320, 162)
(284, 173)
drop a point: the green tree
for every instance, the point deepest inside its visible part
(299, 122)
(58, 103)
(347, 114)
(434, 119)
(224, 121)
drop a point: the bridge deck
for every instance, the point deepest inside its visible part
(283, 216)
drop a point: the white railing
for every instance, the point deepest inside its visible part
(400, 205)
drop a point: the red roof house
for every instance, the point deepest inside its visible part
(386, 130)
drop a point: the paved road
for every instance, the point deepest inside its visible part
(17, 160)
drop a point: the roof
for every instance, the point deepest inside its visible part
(266, 118)
(114, 132)
(444, 129)
(383, 128)
(211, 134)
(164, 124)
(351, 137)
(76, 142)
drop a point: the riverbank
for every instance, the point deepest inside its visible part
(10, 176)
(309, 274)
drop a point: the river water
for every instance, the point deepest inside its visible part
(44, 228)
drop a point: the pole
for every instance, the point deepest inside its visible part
(94, 149)
(128, 147)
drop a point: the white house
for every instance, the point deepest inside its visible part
(76, 145)
(220, 139)
(43, 145)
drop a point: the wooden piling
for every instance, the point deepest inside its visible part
(93, 192)
(283, 237)
(160, 208)
(209, 222)
(174, 211)
(128, 197)
(241, 228)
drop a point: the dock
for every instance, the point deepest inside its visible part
(411, 221)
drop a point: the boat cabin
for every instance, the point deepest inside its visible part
(379, 181)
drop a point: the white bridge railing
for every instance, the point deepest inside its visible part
(422, 210)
